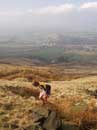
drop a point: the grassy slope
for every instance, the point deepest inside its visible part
(46, 73)
(69, 98)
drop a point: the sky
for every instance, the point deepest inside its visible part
(63, 15)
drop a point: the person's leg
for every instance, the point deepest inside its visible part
(41, 97)
(45, 98)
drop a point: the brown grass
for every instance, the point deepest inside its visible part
(86, 119)
(45, 73)
(84, 116)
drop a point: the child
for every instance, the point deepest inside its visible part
(45, 93)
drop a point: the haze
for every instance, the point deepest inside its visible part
(64, 15)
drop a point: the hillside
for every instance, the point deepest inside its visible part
(46, 72)
(73, 99)
(69, 99)
(49, 48)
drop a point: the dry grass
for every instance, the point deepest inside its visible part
(85, 118)
(45, 73)
(68, 98)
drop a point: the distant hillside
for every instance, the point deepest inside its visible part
(37, 39)
(50, 48)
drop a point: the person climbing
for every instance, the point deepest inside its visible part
(45, 91)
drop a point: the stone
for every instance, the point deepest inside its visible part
(52, 122)
(45, 119)
(69, 126)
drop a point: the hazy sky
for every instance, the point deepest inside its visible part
(65, 15)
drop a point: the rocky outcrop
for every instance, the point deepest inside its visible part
(46, 119)
(42, 118)
(52, 122)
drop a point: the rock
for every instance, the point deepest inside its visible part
(69, 126)
(38, 119)
(39, 115)
(41, 110)
(45, 119)
(52, 122)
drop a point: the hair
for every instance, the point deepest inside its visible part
(36, 84)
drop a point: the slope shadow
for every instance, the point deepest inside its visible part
(23, 91)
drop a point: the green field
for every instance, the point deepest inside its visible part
(53, 54)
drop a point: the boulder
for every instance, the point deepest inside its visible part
(52, 122)
(46, 119)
